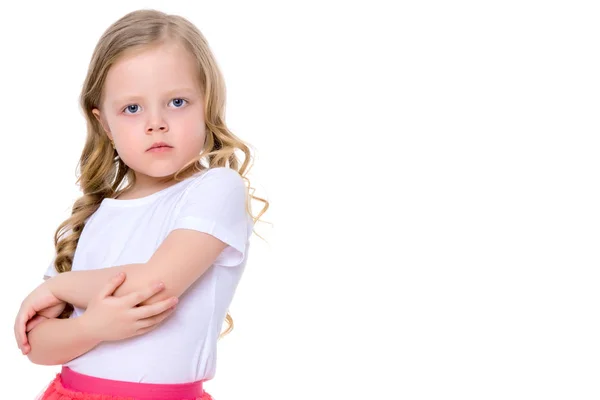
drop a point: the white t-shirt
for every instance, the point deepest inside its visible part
(183, 348)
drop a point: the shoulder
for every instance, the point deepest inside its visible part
(225, 174)
(218, 182)
(216, 195)
(222, 177)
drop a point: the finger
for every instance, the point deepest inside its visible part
(112, 285)
(22, 319)
(53, 311)
(30, 323)
(16, 331)
(135, 298)
(151, 310)
(155, 320)
(34, 322)
(19, 338)
(145, 330)
(17, 328)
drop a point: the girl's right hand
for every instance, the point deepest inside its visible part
(110, 318)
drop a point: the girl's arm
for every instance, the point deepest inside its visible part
(79, 287)
(108, 318)
(178, 262)
(57, 341)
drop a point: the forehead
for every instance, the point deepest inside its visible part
(150, 71)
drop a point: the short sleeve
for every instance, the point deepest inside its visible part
(215, 203)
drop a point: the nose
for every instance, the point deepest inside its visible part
(157, 124)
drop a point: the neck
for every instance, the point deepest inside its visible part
(146, 185)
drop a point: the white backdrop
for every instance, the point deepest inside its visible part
(432, 169)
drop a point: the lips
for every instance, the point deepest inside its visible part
(159, 145)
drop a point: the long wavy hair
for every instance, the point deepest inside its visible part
(101, 172)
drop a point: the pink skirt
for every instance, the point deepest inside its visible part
(70, 385)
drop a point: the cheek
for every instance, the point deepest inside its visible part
(125, 128)
(189, 129)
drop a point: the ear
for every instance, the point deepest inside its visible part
(96, 113)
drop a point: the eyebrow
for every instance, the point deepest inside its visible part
(129, 98)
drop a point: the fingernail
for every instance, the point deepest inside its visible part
(175, 300)
(160, 285)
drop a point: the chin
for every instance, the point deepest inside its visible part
(162, 174)
(157, 173)
(158, 170)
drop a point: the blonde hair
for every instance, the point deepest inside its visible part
(101, 171)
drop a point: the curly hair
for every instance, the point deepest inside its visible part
(101, 173)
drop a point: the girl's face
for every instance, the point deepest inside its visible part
(154, 96)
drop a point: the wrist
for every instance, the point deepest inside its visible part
(53, 285)
(87, 329)
(63, 288)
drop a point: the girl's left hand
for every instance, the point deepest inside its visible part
(46, 313)
(40, 300)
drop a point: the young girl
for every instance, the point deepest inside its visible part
(165, 216)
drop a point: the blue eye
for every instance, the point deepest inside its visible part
(129, 107)
(179, 103)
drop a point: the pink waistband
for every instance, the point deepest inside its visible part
(143, 391)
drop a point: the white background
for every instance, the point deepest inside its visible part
(432, 169)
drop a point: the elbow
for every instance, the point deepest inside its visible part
(39, 359)
(40, 356)
(32, 358)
